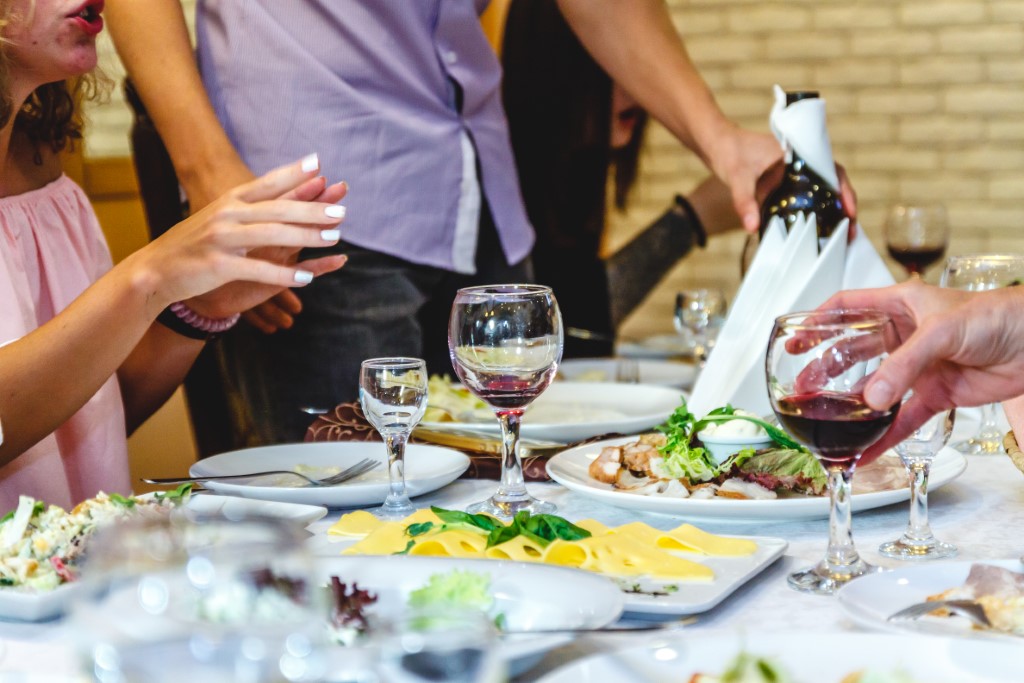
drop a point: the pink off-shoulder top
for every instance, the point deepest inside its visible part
(51, 249)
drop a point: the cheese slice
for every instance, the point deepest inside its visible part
(593, 526)
(387, 539)
(358, 523)
(451, 543)
(689, 538)
(520, 549)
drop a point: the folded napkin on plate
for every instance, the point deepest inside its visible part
(347, 422)
(790, 272)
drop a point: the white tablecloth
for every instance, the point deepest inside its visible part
(982, 512)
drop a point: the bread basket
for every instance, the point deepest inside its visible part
(1013, 450)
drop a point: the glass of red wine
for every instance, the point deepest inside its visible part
(505, 343)
(817, 365)
(917, 236)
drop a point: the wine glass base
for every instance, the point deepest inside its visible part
(826, 579)
(506, 508)
(904, 549)
(979, 446)
(394, 510)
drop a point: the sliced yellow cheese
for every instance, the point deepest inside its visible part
(358, 523)
(691, 539)
(593, 526)
(638, 531)
(567, 553)
(387, 539)
(520, 549)
(451, 543)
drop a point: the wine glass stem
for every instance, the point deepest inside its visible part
(396, 468)
(841, 551)
(918, 528)
(989, 425)
(511, 467)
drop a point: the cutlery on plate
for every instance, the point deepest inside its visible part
(639, 628)
(483, 442)
(361, 467)
(968, 609)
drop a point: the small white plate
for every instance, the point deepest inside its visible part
(427, 468)
(569, 468)
(531, 596)
(662, 373)
(871, 599)
(658, 346)
(808, 657)
(571, 411)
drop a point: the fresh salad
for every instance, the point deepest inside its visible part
(676, 463)
(748, 668)
(456, 589)
(40, 545)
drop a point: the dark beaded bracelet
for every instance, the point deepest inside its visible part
(699, 233)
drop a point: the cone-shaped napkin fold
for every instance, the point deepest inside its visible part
(801, 127)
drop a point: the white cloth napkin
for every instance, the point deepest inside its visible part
(787, 274)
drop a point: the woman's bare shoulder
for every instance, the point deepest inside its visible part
(32, 168)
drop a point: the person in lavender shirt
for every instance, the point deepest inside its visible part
(403, 99)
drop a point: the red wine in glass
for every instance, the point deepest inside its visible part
(506, 392)
(836, 426)
(916, 259)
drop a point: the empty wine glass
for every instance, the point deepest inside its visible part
(393, 393)
(917, 452)
(700, 312)
(206, 600)
(977, 273)
(916, 236)
(817, 365)
(505, 343)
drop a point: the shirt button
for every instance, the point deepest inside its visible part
(450, 57)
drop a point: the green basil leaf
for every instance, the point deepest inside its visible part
(456, 517)
(415, 530)
(408, 547)
(502, 534)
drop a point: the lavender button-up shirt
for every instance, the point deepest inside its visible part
(369, 85)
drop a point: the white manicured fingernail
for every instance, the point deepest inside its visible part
(303, 277)
(335, 211)
(330, 235)
(310, 162)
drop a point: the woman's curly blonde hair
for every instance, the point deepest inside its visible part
(50, 116)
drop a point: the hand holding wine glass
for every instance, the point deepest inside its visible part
(505, 343)
(817, 365)
(917, 236)
(393, 393)
(917, 453)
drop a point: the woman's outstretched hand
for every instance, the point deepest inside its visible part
(241, 249)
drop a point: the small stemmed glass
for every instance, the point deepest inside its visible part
(817, 365)
(975, 274)
(393, 393)
(917, 452)
(916, 236)
(700, 312)
(505, 343)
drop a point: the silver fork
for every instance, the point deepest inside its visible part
(627, 370)
(968, 609)
(361, 467)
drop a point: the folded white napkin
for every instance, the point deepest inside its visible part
(787, 274)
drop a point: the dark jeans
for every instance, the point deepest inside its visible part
(377, 305)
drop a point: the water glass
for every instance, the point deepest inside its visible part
(917, 453)
(978, 273)
(200, 600)
(700, 312)
(393, 393)
(423, 646)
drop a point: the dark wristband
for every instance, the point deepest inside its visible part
(700, 235)
(171, 321)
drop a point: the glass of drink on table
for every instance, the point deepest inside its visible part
(917, 452)
(393, 393)
(917, 236)
(817, 365)
(505, 343)
(700, 312)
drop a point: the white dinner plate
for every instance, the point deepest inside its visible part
(643, 596)
(427, 468)
(658, 346)
(807, 656)
(571, 411)
(530, 596)
(663, 373)
(871, 599)
(38, 606)
(569, 468)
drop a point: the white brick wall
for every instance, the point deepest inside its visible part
(925, 101)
